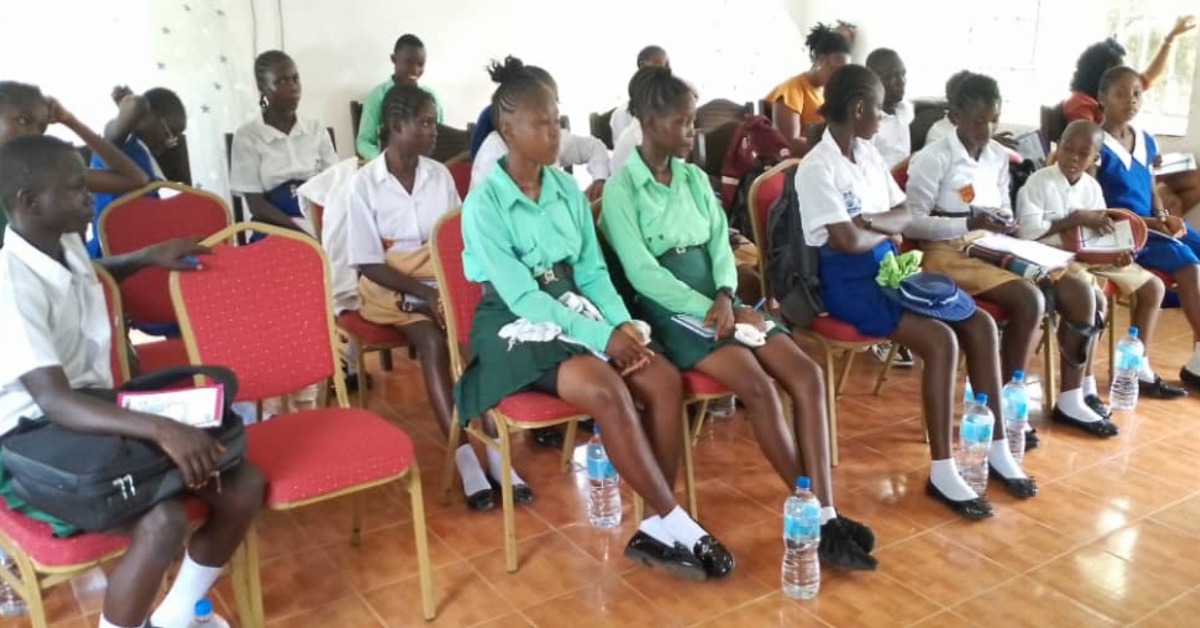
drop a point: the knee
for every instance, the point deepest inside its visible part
(1153, 290)
(941, 345)
(164, 526)
(665, 380)
(807, 376)
(1029, 304)
(248, 488)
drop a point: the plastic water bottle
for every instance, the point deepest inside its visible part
(1124, 392)
(801, 571)
(604, 500)
(11, 605)
(206, 618)
(974, 442)
(1014, 404)
(968, 394)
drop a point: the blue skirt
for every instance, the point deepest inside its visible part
(1171, 256)
(850, 294)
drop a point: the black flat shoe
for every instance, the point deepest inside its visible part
(549, 437)
(675, 560)
(840, 549)
(717, 561)
(1096, 404)
(860, 532)
(481, 501)
(1159, 389)
(1100, 429)
(1032, 440)
(522, 494)
(977, 508)
(1021, 488)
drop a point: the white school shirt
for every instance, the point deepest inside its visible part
(1048, 196)
(50, 315)
(939, 130)
(262, 157)
(630, 139)
(832, 189)
(618, 122)
(894, 139)
(380, 208)
(939, 177)
(331, 190)
(573, 150)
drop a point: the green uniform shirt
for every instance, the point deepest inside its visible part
(510, 239)
(642, 219)
(367, 142)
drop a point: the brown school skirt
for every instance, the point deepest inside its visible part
(381, 305)
(974, 276)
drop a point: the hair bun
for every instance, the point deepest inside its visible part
(508, 70)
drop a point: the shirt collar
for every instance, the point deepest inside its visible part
(640, 173)
(829, 146)
(267, 133)
(1118, 149)
(510, 195)
(959, 151)
(45, 267)
(379, 174)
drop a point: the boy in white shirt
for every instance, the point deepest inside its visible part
(1057, 199)
(894, 139)
(622, 117)
(56, 333)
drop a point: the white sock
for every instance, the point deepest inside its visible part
(654, 526)
(1193, 365)
(494, 467)
(1089, 387)
(104, 623)
(1072, 404)
(1146, 372)
(469, 469)
(1003, 462)
(827, 513)
(191, 585)
(683, 528)
(945, 477)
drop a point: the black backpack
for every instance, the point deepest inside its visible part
(792, 265)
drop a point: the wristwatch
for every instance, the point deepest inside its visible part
(727, 292)
(1161, 212)
(867, 221)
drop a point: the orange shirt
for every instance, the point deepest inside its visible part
(800, 96)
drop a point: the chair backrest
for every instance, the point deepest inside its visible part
(118, 356)
(459, 296)
(926, 113)
(135, 221)
(1054, 122)
(261, 310)
(717, 112)
(356, 109)
(763, 192)
(461, 172)
(452, 145)
(601, 127)
(900, 174)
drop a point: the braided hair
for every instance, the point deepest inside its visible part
(645, 54)
(402, 103)
(657, 91)
(15, 94)
(975, 91)
(516, 82)
(849, 84)
(1093, 63)
(262, 66)
(824, 40)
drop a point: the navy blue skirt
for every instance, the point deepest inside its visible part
(850, 294)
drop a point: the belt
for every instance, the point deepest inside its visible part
(558, 272)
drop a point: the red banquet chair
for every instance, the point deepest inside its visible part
(246, 304)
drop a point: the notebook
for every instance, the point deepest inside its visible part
(1121, 239)
(694, 325)
(197, 407)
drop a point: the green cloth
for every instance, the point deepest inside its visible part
(60, 529)
(642, 219)
(893, 270)
(367, 142)
(510, 239)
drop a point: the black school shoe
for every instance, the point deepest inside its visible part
(1159, 389)
(977, 508)
(1032, 440)
(861, 533)
(673, 559)
(1021, 488)
(548, 437)
(522, 494)
(840, 549)
(1098, 406)
(1103, 428)
(717, 561)
(481, 501)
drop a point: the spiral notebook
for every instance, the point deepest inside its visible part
(694, 325)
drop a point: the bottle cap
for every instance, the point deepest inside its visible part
(1018, 375)
(1133, 331)
(981, 399)
(802, 483)
(595, 428)
(203, 608)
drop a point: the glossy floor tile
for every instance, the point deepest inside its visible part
(1113, 538)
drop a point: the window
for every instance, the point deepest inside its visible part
(1141, 28)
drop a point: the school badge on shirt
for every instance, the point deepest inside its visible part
(853, 203)
(966, 194)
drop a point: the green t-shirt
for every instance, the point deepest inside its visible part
(367, 142)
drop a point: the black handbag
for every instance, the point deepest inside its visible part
(97, 482)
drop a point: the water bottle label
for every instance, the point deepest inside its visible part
(976, 431)
(1128, 359)
(600, 469)
(805, 524)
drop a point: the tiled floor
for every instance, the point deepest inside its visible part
(1113, 538)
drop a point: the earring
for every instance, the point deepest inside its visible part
(263, 101)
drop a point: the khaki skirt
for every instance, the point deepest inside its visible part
(381, 305)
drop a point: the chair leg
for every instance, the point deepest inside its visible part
(356, 520)
(568, 446)
(1050, 349)
(841, 385)
(360, 359)
(831, 403)
(639, 509)
(429, 610)
(887, 366)
(701, 417)
(253, 581)
(1111, 328)
(240, 578)
(689, 467)
(26, 585)
(448, 466)
(506, 498)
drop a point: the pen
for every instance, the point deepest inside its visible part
(761, 302)
(191, 260)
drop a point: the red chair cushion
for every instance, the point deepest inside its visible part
(834, 329)
(995, 310)
(316, 452)
(536, 407)
(367, 332)
(696, 383)
(1167, 280)
(461, 173)
(156, 356)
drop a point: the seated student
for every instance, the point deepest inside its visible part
(1124, 175)
(664, 223)
(408, 65)
(146, 126)
(1056, 199)
(277, 150)
(945, 127)
(530, 241)
(796, 103)
(853, 210)
(626, 144)
(573, 149)
(395, 201)
(25, 111)
(945, 179)
(622, 117)
(1084, 104)
(56, 333)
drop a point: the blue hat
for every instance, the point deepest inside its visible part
(933, 295)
